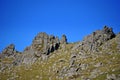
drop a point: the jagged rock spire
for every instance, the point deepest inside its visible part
(97, 38)
(44, 43)
(63, 39)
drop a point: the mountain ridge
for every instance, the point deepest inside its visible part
(84, 60)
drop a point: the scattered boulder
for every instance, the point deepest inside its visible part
(73, 59)
(111, 77)
(98, 64)
(84, 66)
(94, 73)
(76, 61)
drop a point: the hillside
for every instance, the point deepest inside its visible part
(97, 57)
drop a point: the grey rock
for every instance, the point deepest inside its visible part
(73, 56)
(118, 41)
(9, 50)
(111, 77)
(84, 66)
(98, 64)
(63, 39)
(97, 38)
(29, 60)
(44, 57)
(71, 72)
(73, 59)
(72, 62)
(28, 56)
(18, 59)
(94, 73)
(2, 56)
(45, 44)
(77, 45)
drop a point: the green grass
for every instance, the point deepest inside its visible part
(46, 70)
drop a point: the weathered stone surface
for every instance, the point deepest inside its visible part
(97, 38)
(63, 39)
(2, 56)
(9, 50)
(28, 56)
(98, 64)
(52, 58)
(94, 73)
(118, 41)
(44, 43)
(112, 77)
(73, 59)
(77, 45)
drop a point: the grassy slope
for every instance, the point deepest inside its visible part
(49, 70)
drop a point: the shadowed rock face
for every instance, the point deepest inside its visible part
(44, 43)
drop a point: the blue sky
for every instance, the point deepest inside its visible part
(21, 20)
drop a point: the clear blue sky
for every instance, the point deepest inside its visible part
(21, 20)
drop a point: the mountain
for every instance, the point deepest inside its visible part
(97, 57)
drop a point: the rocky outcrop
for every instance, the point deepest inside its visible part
(63, 39)
(28, 56)
(42, 45)
(9, 50)
(97, 38)
(45, 44)
(96, 57)
(118, 41)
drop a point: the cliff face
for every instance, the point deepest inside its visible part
(51, 58)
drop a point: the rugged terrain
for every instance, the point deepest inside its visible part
(97, 57)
